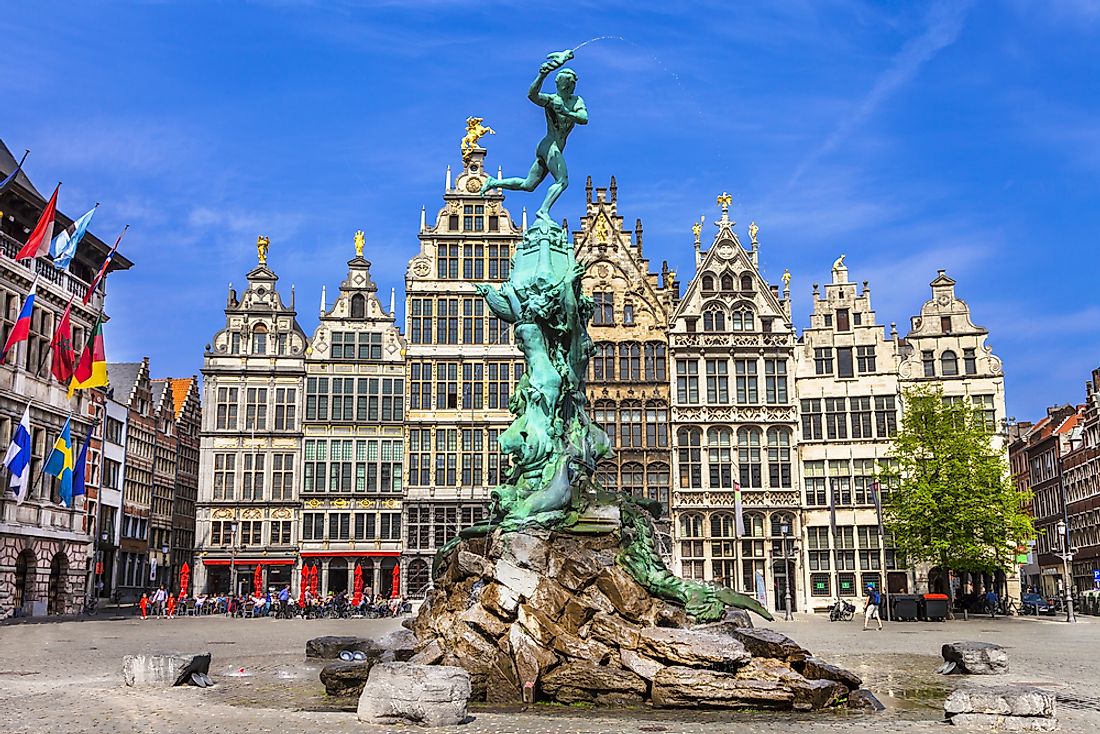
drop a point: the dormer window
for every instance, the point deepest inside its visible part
(727, 283)
(714, 320)
(473, 218)
(743, 320)
(746, 283)
(842, 321)
(235, 343)
(708, 283)
(949, 364)
(259, 340)
(358, 306)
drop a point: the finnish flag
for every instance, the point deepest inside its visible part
(18, 458)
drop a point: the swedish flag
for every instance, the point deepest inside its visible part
(60, 463)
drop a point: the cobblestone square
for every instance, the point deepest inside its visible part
(66, 678)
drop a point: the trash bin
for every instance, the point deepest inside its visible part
(934, 607)
(904, 607)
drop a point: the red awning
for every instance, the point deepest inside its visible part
(249, 562)
(355, 554)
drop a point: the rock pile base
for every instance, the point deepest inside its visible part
(421, 694)
(975, 658)
(1008, 708)
(545, 616)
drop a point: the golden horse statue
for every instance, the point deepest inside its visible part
(474, 132)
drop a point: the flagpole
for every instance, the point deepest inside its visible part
(49, 351)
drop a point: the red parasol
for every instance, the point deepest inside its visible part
(185, 577)
(258, 580)
(303, 585)
(357, 597)
(313, 579)
(396, 582)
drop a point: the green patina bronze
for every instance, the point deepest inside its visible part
(553, 445)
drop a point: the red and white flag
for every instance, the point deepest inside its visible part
(103, 268)
(63, 357)
(38, 244)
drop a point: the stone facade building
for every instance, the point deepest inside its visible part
(250, 444)
(186, 423)
(732, 351)
(353, 439)
(165, 456)
(1081, 478)
(628, 386)
(460, 364)
(44, 547)
(847, 388)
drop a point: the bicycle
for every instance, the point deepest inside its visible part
(90, 606)
(1009, 608)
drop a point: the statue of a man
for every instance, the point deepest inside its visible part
(564, 111)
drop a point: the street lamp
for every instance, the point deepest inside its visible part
(1065, 552)
(788, 554)
(232, 558)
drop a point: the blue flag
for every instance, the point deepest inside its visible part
(60, 463)
(80, 468)
(18, 457)
(63, 247)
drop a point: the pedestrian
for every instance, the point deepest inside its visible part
(284, 601)
(159, 598)
(143, 604)
(171, 606)
(991, 603)
(871, 604)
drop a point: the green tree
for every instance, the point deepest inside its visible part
(953, 502)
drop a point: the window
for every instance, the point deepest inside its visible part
(779, 458)
(604, 314)
(113, 430)
(823, 360)
(746, 283)
(811, 420)
(226, 409)
(235, 343)
(603, 363)
(775, 381)
(500, 384)
(727, 282)
(748, 457)
(836, 419)
(225, 476)
(687, 381)
(446, 322)
(742, 320)
(339, 526)
(861, 417)
(286, 399)
(446, 385)
(984, 403)
(720, 458)
(714, 319)
(420, 386)
(928, 359)
(708, 283)
(945, 324)
(628, 314)
(747, 392)
(846, 584)
(817, 543)
(473, 385)
(886, 419)
(688, 441)
(844, 367)
(840, 483)
(863, 481)
(259, 340)
(252, 533)
(280, 532)
(473, 218)
(630, 427)
(655, 369)
(420, 321)
(111, 473)
(865, 359)
(370, 345)
(630, 367)
(657, 483)
(813, 475)
(656, 426)
(970, 363)
(500, 258)
(473, 321)
(633, 478)
(252, 479)
(949, 364)
(473, 261)
(282, 477)
(842, 321)
(419, 457)
(718, 381)
(255, 407)
(446, 458)
(691, 546)
(358, 306)
(447, 261)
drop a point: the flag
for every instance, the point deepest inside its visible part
(18, 458)
(80, 468)
(11, 176)
(878, 505)
(103, 268)
(91, 370)
(63, 247)
(60, 463)
(832, 507)
(63, 356)
(738, 512)
(21, 329)
(38, 244)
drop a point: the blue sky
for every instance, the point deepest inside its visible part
(910, 137)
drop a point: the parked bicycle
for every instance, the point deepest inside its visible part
(842, 611)
(90, 606)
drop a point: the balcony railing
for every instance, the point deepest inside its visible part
(63, 279)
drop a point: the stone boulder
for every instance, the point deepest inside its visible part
(421, 694)
(680, 687)
(766, 643)
(329, 647)
(399, 645)
(577, 682)
(863, 700)
(163, 669)
(346, 678)
(816, 669)
(1007, 708)
(976, 658)
(693, 648)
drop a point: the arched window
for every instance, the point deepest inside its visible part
(259, 339)
(689, 449)
(603, 413)
(692, 557)
(949, 364)
(722, 525)
(708, 283)
(781, 521)
(714, 319)
(633, 479)
(358, 306)
(657, 483)
(754, 525)
(720, 457)
(656, 425)
(630, 358)
(655, 362)
(417, 580)
(779, 457)
(742, 319)
(630, 426)
(691, 526)
(727, 283)
(748, 456)
(746, 282)
(603, 363)
(607, 476)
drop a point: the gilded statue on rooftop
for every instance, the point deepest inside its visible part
(359, 243)
(474, 132)
(262, 244)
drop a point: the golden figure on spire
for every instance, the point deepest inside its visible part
(359, 243)
(753, 229)
(786, 279)
(724, 201)
(262, 244)
(474, 132)
(697, 228)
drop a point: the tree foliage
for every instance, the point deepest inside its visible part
(953, 501)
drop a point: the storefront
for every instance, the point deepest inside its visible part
(336, 571)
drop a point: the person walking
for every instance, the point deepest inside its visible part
(284, 601)
(171, 604)
(159, 598)
(991, 603)
(871, 604)
(143, 604)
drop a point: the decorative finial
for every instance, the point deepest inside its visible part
(724, 201)
(838, 264)
(474, 132)
(786, 279)
(697, 228)
(359, 243)
(753, 229)
(262, 244)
